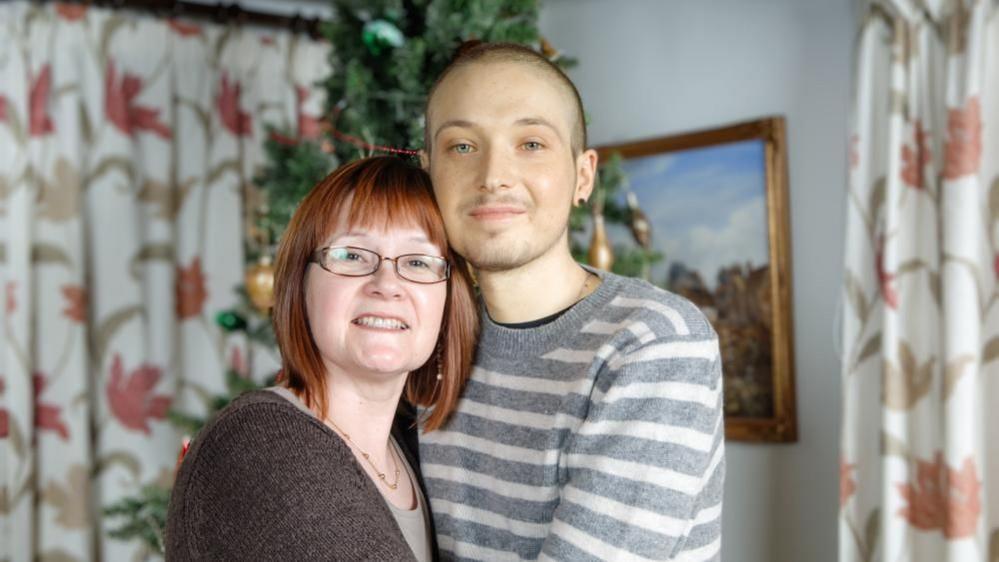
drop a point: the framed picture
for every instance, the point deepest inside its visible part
(716, 202)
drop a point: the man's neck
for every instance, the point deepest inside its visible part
(551, 283)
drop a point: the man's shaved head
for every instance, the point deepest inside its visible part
(486, 53)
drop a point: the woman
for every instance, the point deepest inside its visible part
(369, 304)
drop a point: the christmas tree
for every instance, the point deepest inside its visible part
(384, 56)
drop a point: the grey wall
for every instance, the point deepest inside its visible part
(650, 68)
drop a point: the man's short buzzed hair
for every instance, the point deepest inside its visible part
(481, 52)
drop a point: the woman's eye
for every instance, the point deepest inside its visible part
(418, 263)
(352, 256)
(533, 145)
(462, 148)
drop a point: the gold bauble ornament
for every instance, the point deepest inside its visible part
(259, 281)
(601, 255)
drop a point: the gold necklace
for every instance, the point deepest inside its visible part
(381, 475)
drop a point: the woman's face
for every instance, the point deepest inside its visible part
(380, 324)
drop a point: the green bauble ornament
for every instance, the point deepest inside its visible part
(230, 321)
(379, 35)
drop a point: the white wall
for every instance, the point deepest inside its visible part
(650, 68)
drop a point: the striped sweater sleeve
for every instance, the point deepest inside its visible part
(643, 473)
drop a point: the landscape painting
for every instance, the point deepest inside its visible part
(715, 203)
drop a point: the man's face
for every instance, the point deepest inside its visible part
(502, 163)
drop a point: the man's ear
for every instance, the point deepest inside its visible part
(424, 160)
(586, 175)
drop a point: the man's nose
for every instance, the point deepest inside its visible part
(496, 170)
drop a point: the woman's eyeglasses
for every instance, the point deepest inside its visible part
(351, 261)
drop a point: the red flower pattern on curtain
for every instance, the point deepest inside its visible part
(847, 485)
(121, 108)
(943, 498)
(131, 397)
(885, 279)
(190, 288)
(915, 157)
(309, 126)
(48, 417)
(10, 305)
(76, 303)
(233, 119)
(71, 12)
(39, 121)
(184, 29)
(964, 140)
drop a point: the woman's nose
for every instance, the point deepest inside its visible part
(385, 281)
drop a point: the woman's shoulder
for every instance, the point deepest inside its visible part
(253, 399)
(262, 417)
(261, 471)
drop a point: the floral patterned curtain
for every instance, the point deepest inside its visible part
(919, 471)
(127, 147)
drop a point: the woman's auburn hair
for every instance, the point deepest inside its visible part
(387, 192)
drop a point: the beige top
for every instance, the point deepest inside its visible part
(414, 523)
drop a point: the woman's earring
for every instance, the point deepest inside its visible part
(440, 364)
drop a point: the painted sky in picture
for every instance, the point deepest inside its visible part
(707, 206)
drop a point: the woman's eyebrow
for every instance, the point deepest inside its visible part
(417, 238)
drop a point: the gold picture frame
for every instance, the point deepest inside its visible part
(749, 303)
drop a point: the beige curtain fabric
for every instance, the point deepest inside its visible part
(919, 467)
(127, 144)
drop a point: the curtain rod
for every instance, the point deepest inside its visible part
(220, 13)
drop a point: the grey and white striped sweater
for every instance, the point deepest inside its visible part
(598, 436)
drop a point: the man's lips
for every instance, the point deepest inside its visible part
(496, 212)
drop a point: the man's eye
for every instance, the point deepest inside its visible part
(462, 148)
(533, 145)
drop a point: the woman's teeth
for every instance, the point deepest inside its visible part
(383, 323)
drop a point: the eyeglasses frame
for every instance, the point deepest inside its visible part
(317, 259)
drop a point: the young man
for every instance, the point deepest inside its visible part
(591, 428)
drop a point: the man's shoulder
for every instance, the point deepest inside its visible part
(665, 313)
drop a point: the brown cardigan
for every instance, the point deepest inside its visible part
(266, 481)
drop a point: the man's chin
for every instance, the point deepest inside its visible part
(497, 257)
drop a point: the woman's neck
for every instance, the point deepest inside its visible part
(364, 411)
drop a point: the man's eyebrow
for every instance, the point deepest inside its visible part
(528, 121)
(462, 123)
(522, 122)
